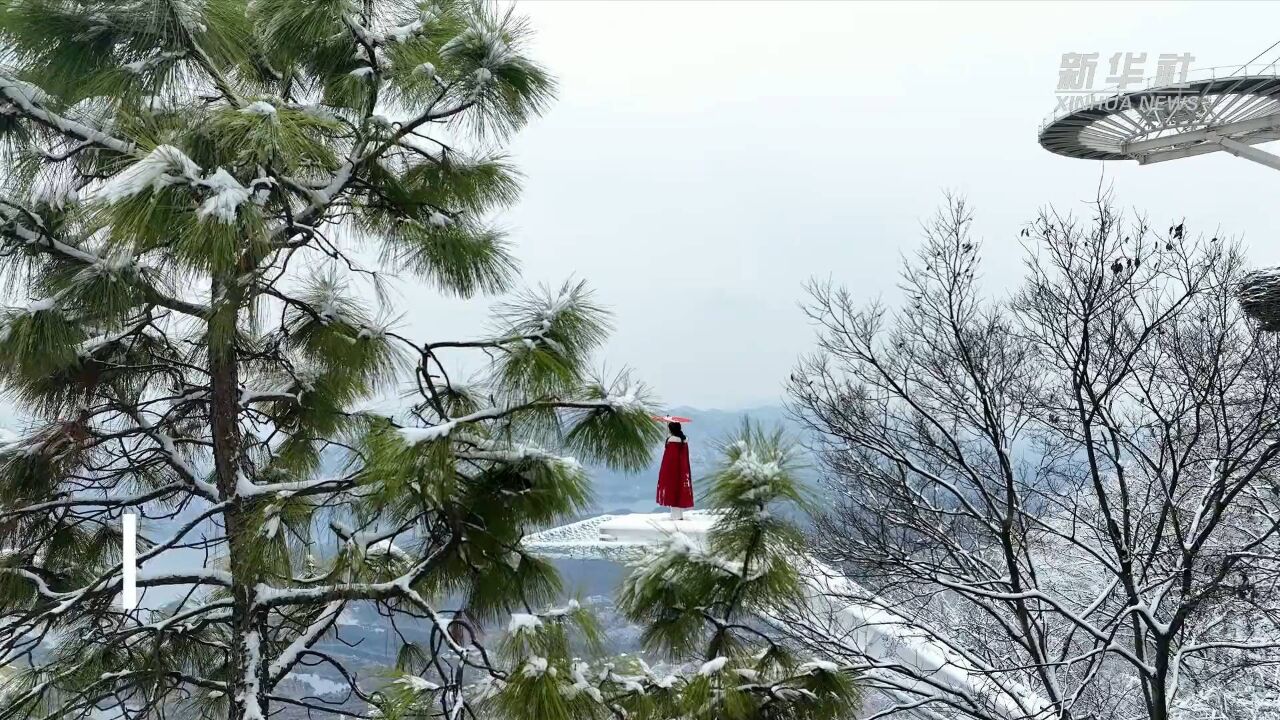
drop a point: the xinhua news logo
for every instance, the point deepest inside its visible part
(1081, 83)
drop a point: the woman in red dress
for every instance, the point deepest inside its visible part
(675, 483)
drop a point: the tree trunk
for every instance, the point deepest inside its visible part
(224, 410)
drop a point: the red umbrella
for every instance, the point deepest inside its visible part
(671, 418)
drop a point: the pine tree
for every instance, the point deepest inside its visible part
(193, 196)
(705, 607)
(191, 190)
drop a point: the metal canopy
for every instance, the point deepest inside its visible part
(1219, 109)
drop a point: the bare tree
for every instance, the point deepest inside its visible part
(1072, 488)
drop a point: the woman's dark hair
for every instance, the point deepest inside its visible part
(674, 429)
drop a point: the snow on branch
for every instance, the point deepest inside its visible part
(29, 101)
(259, 107)
(165, 165)
(415, 435)
(247, 488)
(228, 195)
(523, 622)
(140, 67)
(289, 656)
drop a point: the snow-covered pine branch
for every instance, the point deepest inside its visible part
(195, 343)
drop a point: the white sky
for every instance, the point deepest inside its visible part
(704, 160)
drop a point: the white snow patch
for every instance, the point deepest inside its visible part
(163, 166)
(138, 67)
(417, 684)
(271, 526)
(578, 672)
(386, 547)
(521, 622)
(536, 667)
(253, 655)
(713, 666)
(113, 264)
(681, 545)
(624, 401)
(259, 107)
(54, 195)
(569, 607)
(228, 195)
(402, 33)
(317, 112)
(413, 436)
(760, 473)
(41, 305)
(666, 682)
(322, 686)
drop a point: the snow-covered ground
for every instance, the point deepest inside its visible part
(867, 628)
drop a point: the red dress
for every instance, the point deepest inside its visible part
(675, 486)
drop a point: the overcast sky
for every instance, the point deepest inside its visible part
(704, 160)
